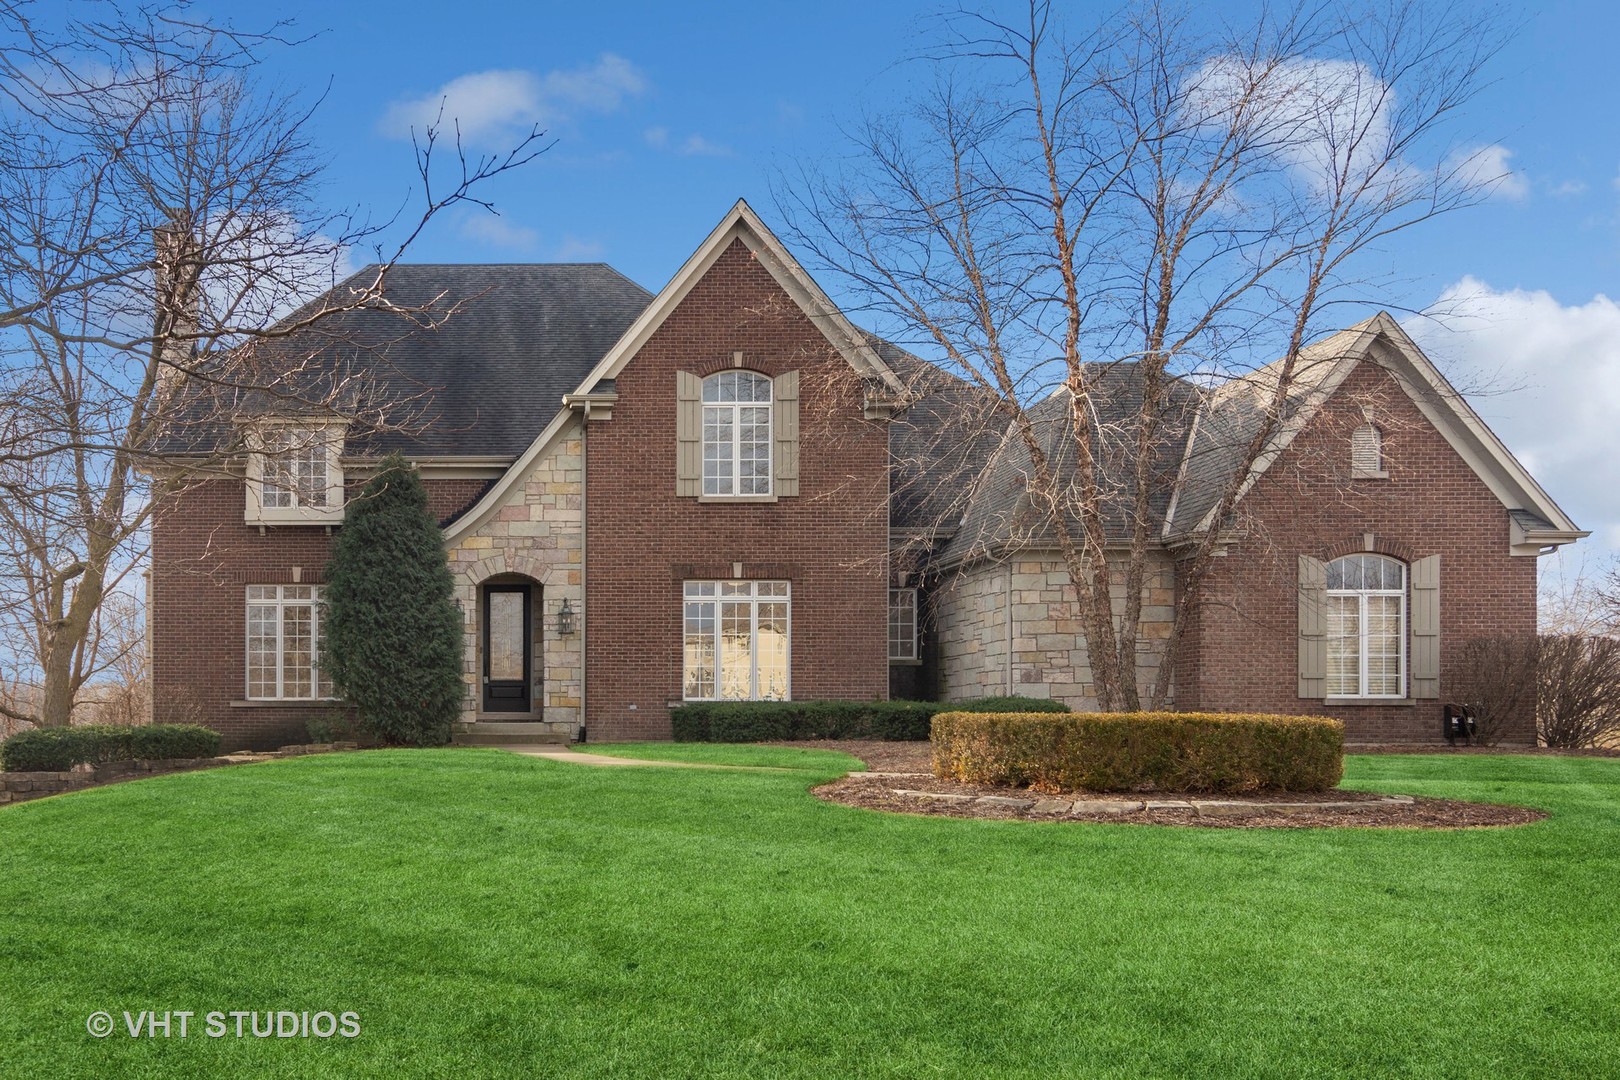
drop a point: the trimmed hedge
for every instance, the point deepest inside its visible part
(59, 749)
(784, 721)
(1235, 753)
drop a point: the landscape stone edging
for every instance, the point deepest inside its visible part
(1201, 807)
(16, 787)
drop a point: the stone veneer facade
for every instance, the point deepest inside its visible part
(536, 534)
(1028, 604)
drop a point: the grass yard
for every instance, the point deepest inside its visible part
(491, 915)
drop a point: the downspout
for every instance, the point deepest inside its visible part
(1009, 630)
(584, 606)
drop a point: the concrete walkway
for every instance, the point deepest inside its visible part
(579, 757)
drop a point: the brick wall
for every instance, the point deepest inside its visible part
(1242, 654)
(830, 541)
(203, 558)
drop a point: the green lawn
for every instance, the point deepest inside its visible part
(491, 915)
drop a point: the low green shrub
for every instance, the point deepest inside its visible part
(59, 749)
(1006, 703)
(45, 750)
(154, 742)
(1192, 752)
(784, 721)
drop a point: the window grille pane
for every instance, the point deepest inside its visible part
(772, 658)
(297, 651)
(1343, 646)
(736, 650)
(699, 648)
(261, 648)
(902, 624)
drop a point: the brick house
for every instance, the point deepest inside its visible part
(726, 490)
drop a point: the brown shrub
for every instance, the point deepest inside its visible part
(1209, 752)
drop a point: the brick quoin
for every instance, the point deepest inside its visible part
(204, 556)
(1241, 653)
(642, 541)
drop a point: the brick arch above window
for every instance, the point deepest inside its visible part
(1381, 545)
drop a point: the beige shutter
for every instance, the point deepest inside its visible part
(1426, 627)
(785, 395)
(1312, 632)
(1367, 453)
(688, 434)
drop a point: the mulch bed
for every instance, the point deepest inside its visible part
(911, 761)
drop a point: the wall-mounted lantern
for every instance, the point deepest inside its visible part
(565, 618)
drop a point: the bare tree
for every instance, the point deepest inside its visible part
(1148, 222)
(165, 265)
(1578, 703)
(1496, 678)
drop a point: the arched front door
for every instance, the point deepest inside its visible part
(508, 648)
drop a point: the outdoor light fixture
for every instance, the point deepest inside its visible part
(565, 618)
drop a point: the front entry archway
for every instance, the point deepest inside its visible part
(508, 648)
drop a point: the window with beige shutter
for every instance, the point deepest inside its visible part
(737, 435)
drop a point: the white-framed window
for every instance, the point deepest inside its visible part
(1366, 627)
(1367, 453)
(736, 641)
(902, 624)
(284, 644)
(737, 434)
(294, 474)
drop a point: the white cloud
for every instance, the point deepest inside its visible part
(1558, 367)
(1569, 188)
(694, 145)
(1320, 117)
(496, 231)
(494, 104)
(1486, 170)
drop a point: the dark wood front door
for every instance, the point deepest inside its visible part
(508, 651)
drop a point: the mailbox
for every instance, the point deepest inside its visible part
(1457, 722)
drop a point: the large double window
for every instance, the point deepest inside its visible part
(284, 643)
(736, 641)
(1366, 627)
(737, 434)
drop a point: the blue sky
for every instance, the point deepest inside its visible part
(666, 113)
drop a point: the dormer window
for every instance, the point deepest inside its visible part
(294, 475)
(1367, 453)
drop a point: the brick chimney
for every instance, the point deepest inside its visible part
(177, 300)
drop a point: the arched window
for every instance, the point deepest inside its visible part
(737, 434)
(1367, 453)
(1366, 627)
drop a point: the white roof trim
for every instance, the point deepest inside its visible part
(1444, 407)
(741, 223)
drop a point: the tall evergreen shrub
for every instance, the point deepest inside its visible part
(391, 637)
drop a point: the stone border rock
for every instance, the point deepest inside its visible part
(928, 796)
(1089, 807)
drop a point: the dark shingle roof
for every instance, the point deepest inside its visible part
(509, 341)
(493, 375)
(1001, 511)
